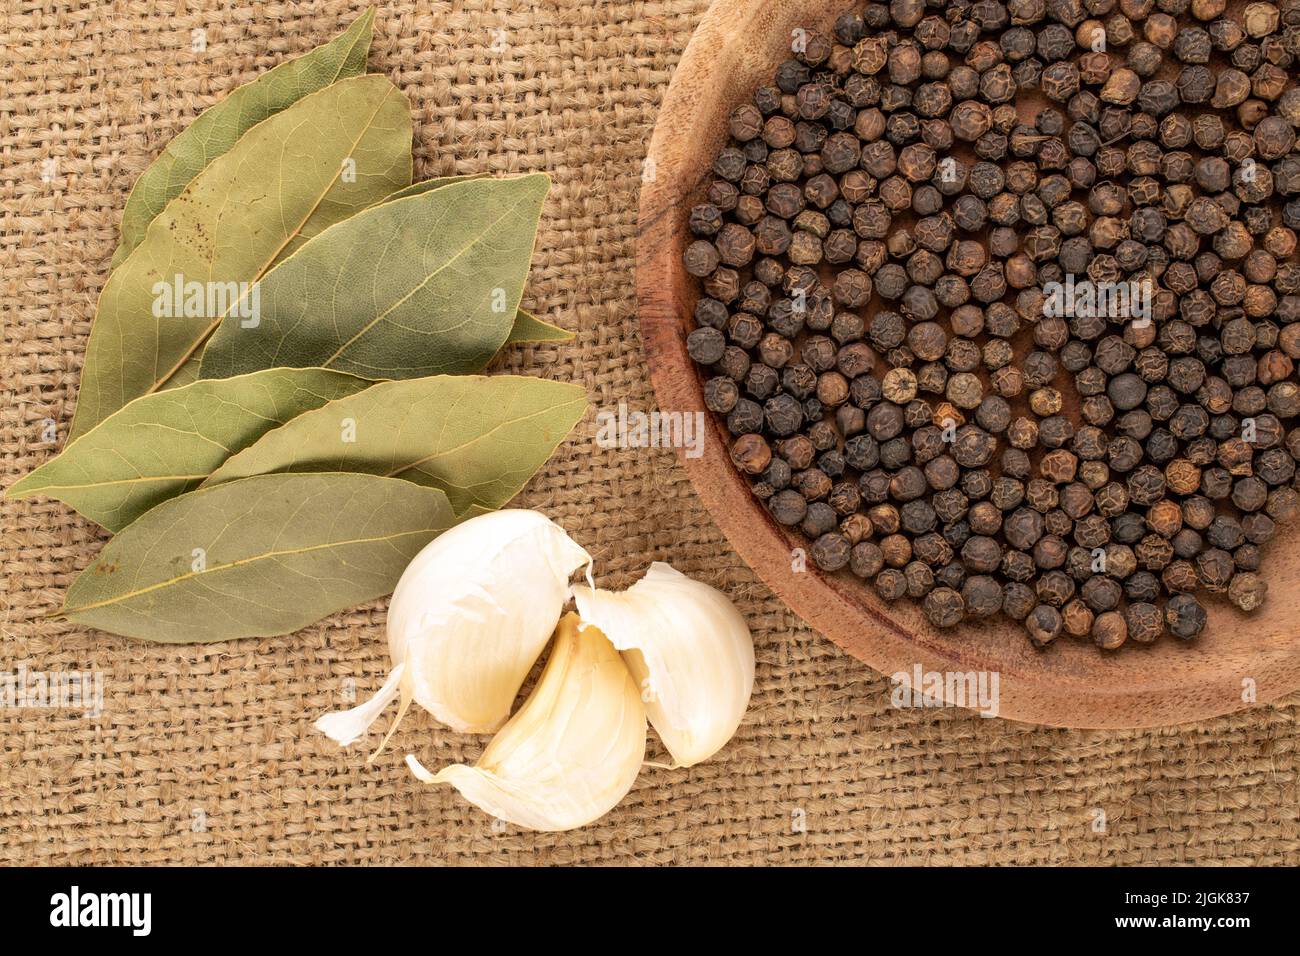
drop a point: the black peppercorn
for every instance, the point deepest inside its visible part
(788, 507)
(1110, 630)
(1018, 600)
(982, 596)
(920, 579)
(1043, 624)
(891, 584)
(819, 519)
(830, 551)
(944, 607)
(747, 416)
(866, 559)
(1055, 588)
(1076, 618)
(721, 394)
(1184, 616)
(1247, 591)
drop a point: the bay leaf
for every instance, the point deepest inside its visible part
(217, 128)
(162, 445)
(253, 558)
(288, 177)
(419, 286)
(524, 323)
(429, 185)
(187, 374)
(529, 329)
(478, 438)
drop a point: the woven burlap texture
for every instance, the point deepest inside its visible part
(205, 754)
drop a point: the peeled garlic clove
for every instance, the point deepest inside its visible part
(573, 749)
(468, 619)
(690, 652)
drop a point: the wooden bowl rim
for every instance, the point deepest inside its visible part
(1035, 687)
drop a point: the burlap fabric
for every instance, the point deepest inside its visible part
(205, 754)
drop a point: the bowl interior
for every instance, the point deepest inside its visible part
(1239, 660)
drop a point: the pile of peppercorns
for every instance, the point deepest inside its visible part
(875, 252)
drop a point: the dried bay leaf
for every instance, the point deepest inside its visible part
(217, 128)
(529, 329)
(429, 185)
(478, 438)
(286, 178)
(424, 285)
(253, 558)
(187, 374)
(162, 445)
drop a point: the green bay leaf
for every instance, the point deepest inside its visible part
(478, 438)
(217, 128)
(424, 285)
(253, 558)
(167, 443)
(288, 178)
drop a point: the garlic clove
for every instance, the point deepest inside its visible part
(573, 749)
(688, 649)
(468, 619)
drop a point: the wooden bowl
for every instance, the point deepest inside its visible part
(1241, 659)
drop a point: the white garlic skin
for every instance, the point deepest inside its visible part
(690, 652)
(572, 750)
(469, 618)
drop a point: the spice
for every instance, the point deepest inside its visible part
(1109, 630)
(1043, 624)
(877, 249)
(944, 607)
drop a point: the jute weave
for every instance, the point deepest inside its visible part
(205, 754)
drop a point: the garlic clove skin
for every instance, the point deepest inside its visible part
(688, 649)
(347, 726)
(573, 749)
(469, 618)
